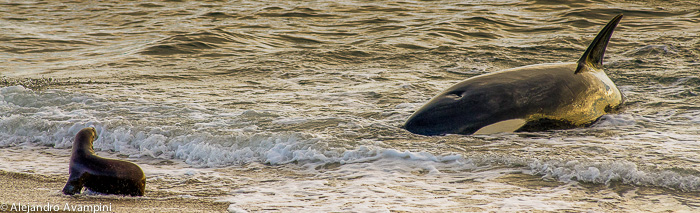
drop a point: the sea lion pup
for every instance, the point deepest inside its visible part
(530, 98)
(107, 176)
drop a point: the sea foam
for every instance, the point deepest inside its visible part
(140, 129)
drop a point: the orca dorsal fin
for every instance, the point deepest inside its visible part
(594, 54)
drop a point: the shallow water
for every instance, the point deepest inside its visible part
(283, 106)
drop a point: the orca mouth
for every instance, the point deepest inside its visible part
(412, 126)
(422, 131)
(425, 126)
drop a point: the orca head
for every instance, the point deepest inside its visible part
(447, 113)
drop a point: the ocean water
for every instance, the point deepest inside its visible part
(284, 106)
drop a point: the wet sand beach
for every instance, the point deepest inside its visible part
(40, 190)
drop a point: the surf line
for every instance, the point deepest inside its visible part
(19, 207)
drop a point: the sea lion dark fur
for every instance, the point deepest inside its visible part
(107, 176)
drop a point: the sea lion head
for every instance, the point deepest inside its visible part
(83, 140)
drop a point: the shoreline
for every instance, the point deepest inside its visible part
(41, 190)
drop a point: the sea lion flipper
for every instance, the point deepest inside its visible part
(594, 54)
(74, 184)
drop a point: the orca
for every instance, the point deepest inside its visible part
(530, 98)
